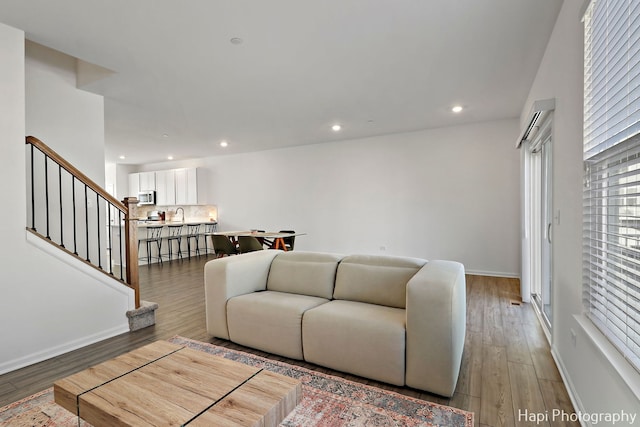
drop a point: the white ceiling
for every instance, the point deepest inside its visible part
(374, 66)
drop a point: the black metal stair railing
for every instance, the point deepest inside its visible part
(72, 212)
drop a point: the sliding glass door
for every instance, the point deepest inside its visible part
(540, 214)
(544, 298)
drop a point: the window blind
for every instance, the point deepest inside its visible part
(611, 74)
(611, 238)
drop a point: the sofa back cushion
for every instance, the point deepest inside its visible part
(304, 273)
(375, 279)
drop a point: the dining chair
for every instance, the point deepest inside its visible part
(222, 246)
(262, 240)
(249, 244)
(289, 241)
(154, 234)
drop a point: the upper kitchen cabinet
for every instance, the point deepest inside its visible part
(142, 181)
(147, 181)
(166, 188)
(134, 184)
(173, 187)
(186, 186)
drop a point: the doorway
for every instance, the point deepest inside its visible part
(539, 158)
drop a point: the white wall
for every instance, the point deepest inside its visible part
(47, 307)
(596, 386)
(69, 120)
(120, 178)
(448, 193)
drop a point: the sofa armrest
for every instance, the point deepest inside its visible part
(225, 278)
(436, 326)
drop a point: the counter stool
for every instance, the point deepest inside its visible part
(175, 234)
(154, 234)
(193, 232)
(209, 229)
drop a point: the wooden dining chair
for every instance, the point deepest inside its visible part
(249, 244)
(289, 241)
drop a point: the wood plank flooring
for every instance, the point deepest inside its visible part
(507, 365)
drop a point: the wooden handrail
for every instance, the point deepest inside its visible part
(75, 172)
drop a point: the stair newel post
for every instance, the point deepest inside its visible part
(131, 244)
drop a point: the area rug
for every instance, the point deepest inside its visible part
(327, 401)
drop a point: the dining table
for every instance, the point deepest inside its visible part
(277, 237)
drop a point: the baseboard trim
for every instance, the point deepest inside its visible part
(573, 396)
(57, 350)
(492, 274)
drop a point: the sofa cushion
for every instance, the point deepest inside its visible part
(375, 279)
(270, 321)
(362, 339)
(304, 273)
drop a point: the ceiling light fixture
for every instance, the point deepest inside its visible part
(236, 40)
(122, 157)
(165, 135)
(170, 158)
(223, 144)
(336, 127)
(457, 109)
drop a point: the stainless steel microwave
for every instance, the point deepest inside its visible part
(147, 198)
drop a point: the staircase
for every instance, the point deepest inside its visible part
(74, 214)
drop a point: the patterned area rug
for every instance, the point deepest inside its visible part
(327, 401)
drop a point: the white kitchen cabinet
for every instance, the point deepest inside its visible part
(134, 184)
(141, 181)
(147, 181)
(173, 187)
(186, 186)
(166, 188)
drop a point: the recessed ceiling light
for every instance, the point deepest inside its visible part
(457, 109)
(336, 127)
(170, 158)
(223, 144)
(122, 157)
(165, 135)
(236, 40)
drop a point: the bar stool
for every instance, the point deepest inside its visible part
(154, 234)
(175, 235)
(209, 229)
(193, 232)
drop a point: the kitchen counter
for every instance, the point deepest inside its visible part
(146, 223)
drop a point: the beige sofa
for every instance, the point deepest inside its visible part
(392, 319)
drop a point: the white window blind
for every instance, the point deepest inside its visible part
(611, 74)
(611, 241)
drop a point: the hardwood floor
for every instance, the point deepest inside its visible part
(507, 365)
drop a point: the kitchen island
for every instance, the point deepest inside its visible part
(191, 240)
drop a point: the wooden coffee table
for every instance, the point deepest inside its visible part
(164, 384)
